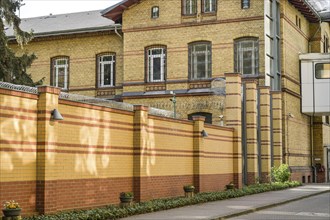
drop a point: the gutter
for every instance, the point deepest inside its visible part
(75, 31)
(116, 30)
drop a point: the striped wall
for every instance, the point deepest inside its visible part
(96, 152)
(18, 147)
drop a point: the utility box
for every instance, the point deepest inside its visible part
(315, 83)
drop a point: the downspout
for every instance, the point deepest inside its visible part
(116, 30)
(312, 132)
(310, 39)
(312, 150)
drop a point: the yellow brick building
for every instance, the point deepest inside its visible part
(140, 51)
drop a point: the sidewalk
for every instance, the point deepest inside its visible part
(238, 206)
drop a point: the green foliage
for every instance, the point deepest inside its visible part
(188, 187)
(114, 212)
(12, 67)
(126, 195)
(281, 173)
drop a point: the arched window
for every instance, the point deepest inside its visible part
(200, 60)
(59, 75)
(208, 116)
(106, 69)
(246, 56)
(155, 63)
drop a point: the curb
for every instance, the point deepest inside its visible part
(221, 217)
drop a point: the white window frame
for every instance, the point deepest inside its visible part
(56, 67)
(212, 4)
(101, 64)
(194, 63)
(188, 7)
(150, 64)
(239, 62)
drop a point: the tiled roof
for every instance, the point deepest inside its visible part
(115, 12)
(88, 21)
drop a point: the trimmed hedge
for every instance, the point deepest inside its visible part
(114, 212)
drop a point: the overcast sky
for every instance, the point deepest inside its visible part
(35, 8)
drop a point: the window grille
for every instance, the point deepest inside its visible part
(200, 60)
(60, 72)
(156, 63)
(106, 69)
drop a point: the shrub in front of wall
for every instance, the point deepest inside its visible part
(281, 173)
(114, 212)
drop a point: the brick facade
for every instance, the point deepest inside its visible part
(283, 138)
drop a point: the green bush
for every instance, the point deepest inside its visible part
(281, 173)
(114, 212)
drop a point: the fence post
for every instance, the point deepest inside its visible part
(140, 151)
(251, 130)
(234, 120)
(198, 149)
(46, 198)
(277, 127)
(265, 132)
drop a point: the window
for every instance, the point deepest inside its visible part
(327, 120)
(155, 12)
(246, 56)
(106, 69)
(325, 44)
(209, 6)
(200, 60)
(189, 7)
(245, 4)
(156, 63)
(322, 71)
(298, 22)
(60, 72)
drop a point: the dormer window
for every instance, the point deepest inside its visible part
(155, 12)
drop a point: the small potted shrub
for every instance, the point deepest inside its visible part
(230, 186)
(189, 188)
(11, 209)
(126, 197)
(189, 191)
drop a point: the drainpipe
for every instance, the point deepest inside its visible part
(310, 39)
(116, 30)
(312, 150)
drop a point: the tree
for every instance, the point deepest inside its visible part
(12, 67)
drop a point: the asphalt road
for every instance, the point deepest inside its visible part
(316, 207)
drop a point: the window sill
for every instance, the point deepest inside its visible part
(189, 15)
(200, 80)
(155, 83)
(106, 87)
(205, 14)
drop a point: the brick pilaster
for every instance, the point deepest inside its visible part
(140, 177)
(251, 130)
(198, 149)
(265, 132)
(277, 127)
(46, 193)
(234, 120)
